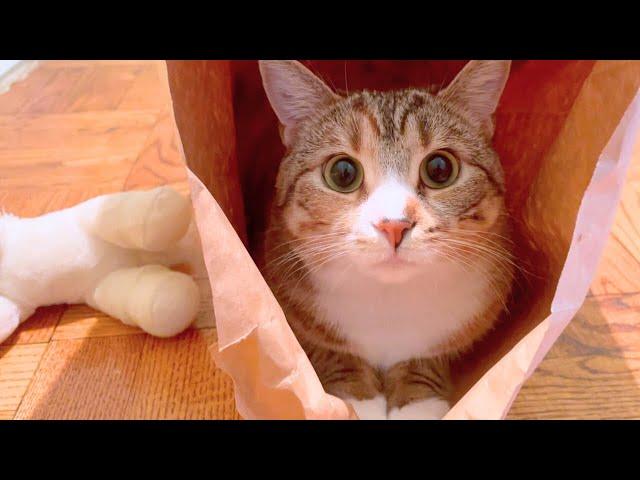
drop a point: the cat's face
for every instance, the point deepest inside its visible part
(384, 181)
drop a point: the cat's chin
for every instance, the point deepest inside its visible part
(392, 270)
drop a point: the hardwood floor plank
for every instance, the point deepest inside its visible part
(105, 87)
(91, 150)
(88, 378)
(56, 96)
(38, 328)
(18, 364)
(131, 376)
(123, 132)
(604, 325)
(593, 370)
(587, 387)
(159, 161)
(619, 269)
(147, 91)
(178, 379)
(22, 91)
(82, 321)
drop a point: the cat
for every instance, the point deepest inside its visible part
(388, 244)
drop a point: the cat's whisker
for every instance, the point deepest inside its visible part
(506, 275)
(503, 267)
(317, 267)
(490, 278)
(496, 240)
(475, 246)
(299, 252)
(501, 256)
(303, 249)
(309, 265)
(312, 249)
(477, 234)
(309, 238)
(470, 267)
(482, 232)
(493, 238)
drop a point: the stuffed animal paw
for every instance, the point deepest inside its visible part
(112, 252)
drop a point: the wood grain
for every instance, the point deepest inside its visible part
(593, 371)
(18, 363)
(89, 378)
(130, 376)
(177, 379)
(82, 321)
(23, 92)
(159, 161)
(619, 270)
(39, 328)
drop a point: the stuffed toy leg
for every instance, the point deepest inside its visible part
(111, 252)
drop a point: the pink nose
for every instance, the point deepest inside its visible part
(394, 230)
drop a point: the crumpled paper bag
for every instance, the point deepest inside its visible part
(566, 131)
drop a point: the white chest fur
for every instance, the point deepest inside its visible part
(388, 323)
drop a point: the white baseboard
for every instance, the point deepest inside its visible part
(12, 71)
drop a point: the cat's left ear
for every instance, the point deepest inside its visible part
(477, 90)
(294, 92)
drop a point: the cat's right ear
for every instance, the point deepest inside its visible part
(294, 93)
(477, 90)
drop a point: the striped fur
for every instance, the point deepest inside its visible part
(371, 327)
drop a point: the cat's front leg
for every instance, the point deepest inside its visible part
(418, 389)
(352, 379)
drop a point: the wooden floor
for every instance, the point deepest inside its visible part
(75, 129)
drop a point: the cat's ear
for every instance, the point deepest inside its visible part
(477, 90)
(294, 93)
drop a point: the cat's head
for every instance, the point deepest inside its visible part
(381, 179)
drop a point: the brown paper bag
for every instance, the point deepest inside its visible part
(566, 131)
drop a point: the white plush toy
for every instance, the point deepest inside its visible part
(111, 252)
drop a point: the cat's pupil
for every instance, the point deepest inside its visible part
(343, 173)
(439, 169)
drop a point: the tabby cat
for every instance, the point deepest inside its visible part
(388, 245)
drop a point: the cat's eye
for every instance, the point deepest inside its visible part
(439, 170)
(343, 174)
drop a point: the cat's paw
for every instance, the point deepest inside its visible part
(371, 408)
(427, 409)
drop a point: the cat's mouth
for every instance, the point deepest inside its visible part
(394, 268)
(393, 260)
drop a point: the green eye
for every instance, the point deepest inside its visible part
(439, 170)
(343, 174)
